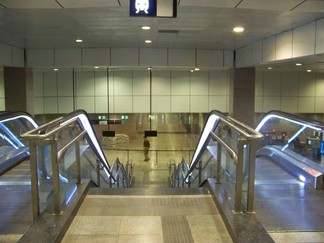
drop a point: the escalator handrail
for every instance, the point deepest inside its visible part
(4, 117)
(292, 118)
(211, 123)
(58, 124)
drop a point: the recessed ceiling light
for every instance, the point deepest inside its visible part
(55, 69)
(146, 27)
(309, 70)
(78, 40)
(269, 68)
(96, 67)
(238, 29)
(148, 41)
(197, 69)
(299, 64)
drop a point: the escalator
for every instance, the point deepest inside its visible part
(15, 205)
(12, 149)
(289, 191)
(17, 171)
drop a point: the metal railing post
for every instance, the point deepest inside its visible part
(55, 178)
(199, 171)
(78, 161)
(251, 179)
(34, 179)
(239, 177)
(98, 171)
(218, 164)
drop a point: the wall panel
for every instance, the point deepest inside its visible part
(180, 103)
(182, 57)
(153, 57)
(161, 83)
(65, 104)
(65, 83)
(67, 57)
(284, 45)
(141, 104)
(180, 83)
(304, 40)
(199, 103)
(50, 84)
(161, 103)
(96, 57)
(199, 83)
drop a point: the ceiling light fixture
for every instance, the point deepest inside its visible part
(55, 69)
(238, 29)
(78, 40)
(299, 64)
(148, 41)
(146, 27)
(309, 70)
(197, 69)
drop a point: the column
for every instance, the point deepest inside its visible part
(18, 89)
(242, 96)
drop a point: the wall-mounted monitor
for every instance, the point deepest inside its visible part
(153, 8)
(150, 133)
(108, 133)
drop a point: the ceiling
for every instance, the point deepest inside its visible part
(204, 24)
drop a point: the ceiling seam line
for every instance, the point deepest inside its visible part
(298, 5)
(238, 4)
(59, 3)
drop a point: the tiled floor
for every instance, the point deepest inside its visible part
(148, 218)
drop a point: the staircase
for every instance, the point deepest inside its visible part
(148, 215)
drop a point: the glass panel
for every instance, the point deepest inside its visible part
(68, 175)
(44, 173)
(12, 148)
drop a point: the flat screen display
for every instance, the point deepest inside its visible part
(153, 8)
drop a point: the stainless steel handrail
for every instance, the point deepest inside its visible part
(79, 137)
(232, 153)
(293, 118)
(31, 134)
(120, 170)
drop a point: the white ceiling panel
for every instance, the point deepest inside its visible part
(313, 6)
(29, 4)
(210, 3)
(271, 5)
(88, 4)
(203, 24)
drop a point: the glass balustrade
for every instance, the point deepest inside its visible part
(226, 152)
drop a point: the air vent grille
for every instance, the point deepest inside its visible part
(169, 31)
